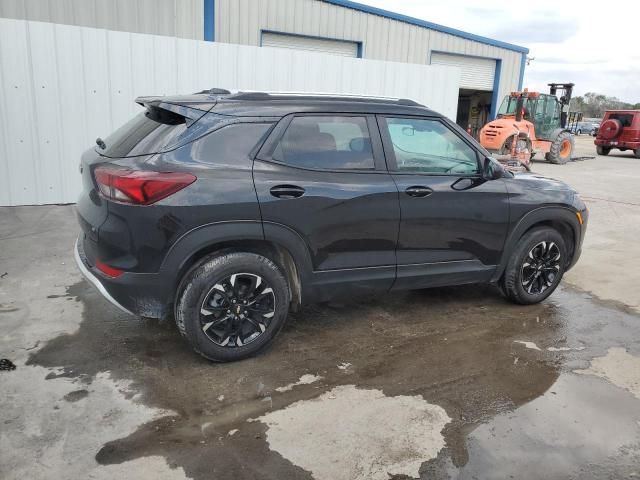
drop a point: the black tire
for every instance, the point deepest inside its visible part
(579, 132)
(199, 285)
(557, 154)
(514, 282)
(636, 153)
(600, 150)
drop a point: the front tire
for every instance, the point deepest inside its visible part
(600, 150)
(561, 149)
(232, 306)
(535, 267)
(636, 153)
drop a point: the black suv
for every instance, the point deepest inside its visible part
(227, 209)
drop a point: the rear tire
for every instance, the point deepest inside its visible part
(636, 153)
(533, 271)
(600, 150)
(223, 310)
(561, 149)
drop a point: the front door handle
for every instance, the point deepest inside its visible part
(418, 191)
(287, 191)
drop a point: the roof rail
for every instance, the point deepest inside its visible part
(257, 95)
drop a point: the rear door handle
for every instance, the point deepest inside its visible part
(287, 191)
(418, 191)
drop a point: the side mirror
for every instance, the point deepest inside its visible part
(492, 169)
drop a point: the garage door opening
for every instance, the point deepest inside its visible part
(477, 82)
(474, 110)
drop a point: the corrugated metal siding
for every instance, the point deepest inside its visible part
(310, 44)
(241, 21)
(179, 18)
(62, 86)
(477, 73)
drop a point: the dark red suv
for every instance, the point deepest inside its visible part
(619, 129)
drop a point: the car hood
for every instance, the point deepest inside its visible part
(540, 182)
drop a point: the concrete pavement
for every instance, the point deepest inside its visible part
(442, 383)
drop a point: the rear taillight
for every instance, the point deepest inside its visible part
(139, 187)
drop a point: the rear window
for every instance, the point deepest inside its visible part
(626, 119)
(326, 142)
(155, 130)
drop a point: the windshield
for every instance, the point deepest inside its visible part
(509, 103)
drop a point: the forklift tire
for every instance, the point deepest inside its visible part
(561, 149)
(600, 150)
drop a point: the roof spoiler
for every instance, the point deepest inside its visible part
(171, 113)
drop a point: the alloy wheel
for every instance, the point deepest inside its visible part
(237, 310)
(540, 268)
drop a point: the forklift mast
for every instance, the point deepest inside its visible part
(566, 90)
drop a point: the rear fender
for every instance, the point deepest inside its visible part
(227, 232)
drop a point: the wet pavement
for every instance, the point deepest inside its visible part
(441, 383)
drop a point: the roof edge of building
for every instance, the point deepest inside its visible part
(423, 23)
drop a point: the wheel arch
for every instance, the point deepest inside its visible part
(561, 219)
(204, 241)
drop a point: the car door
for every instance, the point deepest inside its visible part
(323, 177)
(453, 221)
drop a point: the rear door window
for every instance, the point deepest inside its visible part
(326, 142)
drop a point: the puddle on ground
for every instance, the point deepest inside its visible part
(579, 424)
(450, 349)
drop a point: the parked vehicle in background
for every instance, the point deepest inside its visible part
(619, 129)
(228, 209)
(529, 123)
(587, 128)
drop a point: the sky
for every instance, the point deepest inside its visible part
(567, 41)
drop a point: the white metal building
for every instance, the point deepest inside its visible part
(70, 69)
(490, 68)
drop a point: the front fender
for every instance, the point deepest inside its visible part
(531, 219)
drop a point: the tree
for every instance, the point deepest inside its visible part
(593, 105)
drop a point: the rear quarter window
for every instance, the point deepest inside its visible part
(230, 144)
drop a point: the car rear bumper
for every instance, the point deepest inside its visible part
(616, 143)
(138, 294)
(84, 269)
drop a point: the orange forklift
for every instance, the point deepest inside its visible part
(530, 123)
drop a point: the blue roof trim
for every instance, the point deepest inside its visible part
(209, 20)
(423, 23)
